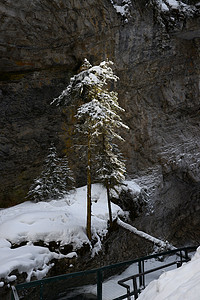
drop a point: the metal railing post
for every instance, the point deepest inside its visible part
(99, 284)
(143, 277)
(41, 291)
(128, 293)
(181, 256)
(186, 255)
(141, 271)
(135, 287)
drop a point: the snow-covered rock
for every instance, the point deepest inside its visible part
(33, 260)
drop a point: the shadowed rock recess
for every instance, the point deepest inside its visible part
(44, 42)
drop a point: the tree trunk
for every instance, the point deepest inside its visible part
(89, 202)
(107, 183)
(109, 202)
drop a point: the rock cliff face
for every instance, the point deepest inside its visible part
(44, 42)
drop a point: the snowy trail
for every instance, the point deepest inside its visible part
(144, 235)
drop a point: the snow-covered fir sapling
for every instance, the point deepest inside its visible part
(55, 180)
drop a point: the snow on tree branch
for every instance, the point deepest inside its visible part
(89, 77)
(146, 236)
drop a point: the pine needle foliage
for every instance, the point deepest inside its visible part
(55, 180)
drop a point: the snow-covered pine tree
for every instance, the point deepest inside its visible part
(100, 121)
(55, 180)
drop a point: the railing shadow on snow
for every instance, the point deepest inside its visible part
(138, 279)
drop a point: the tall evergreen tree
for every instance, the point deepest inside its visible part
(98, 120)
(55, 180)
(101, 121)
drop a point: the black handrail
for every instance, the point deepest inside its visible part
(99, 272)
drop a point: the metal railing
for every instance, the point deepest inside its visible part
(183, 257)
(40, 284)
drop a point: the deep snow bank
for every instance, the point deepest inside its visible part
(180, 284)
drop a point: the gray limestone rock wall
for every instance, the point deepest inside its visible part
(44, 42)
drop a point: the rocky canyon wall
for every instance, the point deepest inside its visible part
(156, 56)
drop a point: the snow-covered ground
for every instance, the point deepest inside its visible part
(62, 221)
(31, 259)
